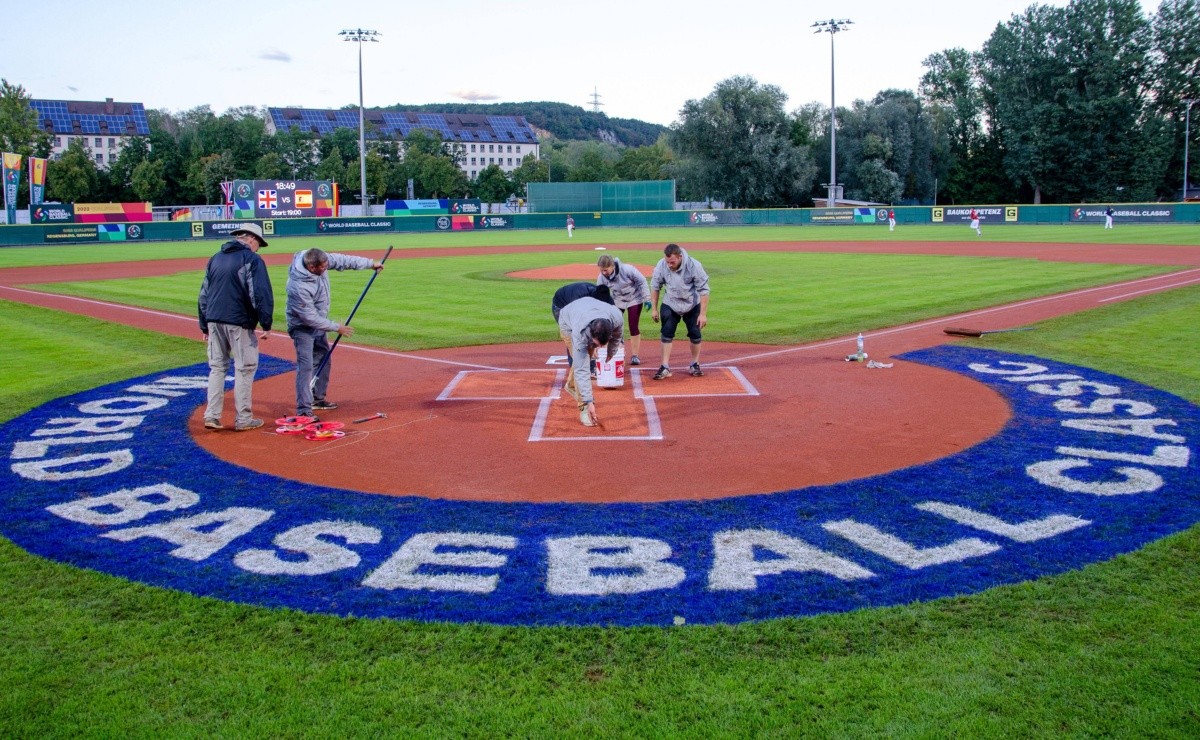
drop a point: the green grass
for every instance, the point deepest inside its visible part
(772, 298)
(1110, 650)
(1158, 234)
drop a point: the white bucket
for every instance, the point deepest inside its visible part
(611, 373)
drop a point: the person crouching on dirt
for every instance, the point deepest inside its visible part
(575, 291)
(587, 324)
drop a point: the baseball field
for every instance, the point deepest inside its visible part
(783, 449)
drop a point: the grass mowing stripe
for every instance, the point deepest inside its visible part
(1108, 650)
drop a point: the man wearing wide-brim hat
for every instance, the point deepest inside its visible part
(235, 298)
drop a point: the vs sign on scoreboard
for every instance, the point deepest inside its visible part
(282, 199)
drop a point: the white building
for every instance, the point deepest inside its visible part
(479, 140)
(103, 128)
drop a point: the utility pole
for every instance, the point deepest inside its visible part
(596, 101)
(832, 26)
(1187, 134)
(360, 36)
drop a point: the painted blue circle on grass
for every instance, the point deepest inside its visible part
(1090, 466)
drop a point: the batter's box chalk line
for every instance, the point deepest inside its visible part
(538, 432)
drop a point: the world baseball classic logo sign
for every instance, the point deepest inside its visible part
(1088, 466)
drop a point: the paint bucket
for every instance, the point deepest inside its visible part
(610, 373)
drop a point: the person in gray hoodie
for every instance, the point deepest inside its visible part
(686, 298)
(308, 320)
(586, 324)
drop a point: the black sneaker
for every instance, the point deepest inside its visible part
(324, 405)
(695, 370)
(635, 360)
(663, 372)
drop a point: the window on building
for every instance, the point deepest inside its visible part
(111, 142)
(510, 161)
(472, 147)
(510, 148)
(472, 173)
(491, 160)
(518, 148)
(472, 160)
(99, 142)
(99, 158)
(57, 141)
(491, 147)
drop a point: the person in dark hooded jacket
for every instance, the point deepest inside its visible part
(235, 298)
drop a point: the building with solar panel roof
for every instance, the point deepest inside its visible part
(481, 140)
(104, 127)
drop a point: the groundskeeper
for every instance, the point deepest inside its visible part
(308, 321)
(587, 324)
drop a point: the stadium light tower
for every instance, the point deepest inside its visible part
(360, 36)
(1187, 133)
(831, 27)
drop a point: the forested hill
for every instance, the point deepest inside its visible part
(563, 121)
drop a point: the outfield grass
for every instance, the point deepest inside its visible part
(765, 297)
(1111, 649)
(1157, 234)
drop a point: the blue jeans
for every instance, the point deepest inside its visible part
(311, 347)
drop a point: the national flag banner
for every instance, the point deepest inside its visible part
(268, 199)
(37, 181)
(304, 199)
(227, 190)
(12, 179)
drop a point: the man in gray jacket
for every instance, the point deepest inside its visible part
(686, 298)
(586, 324)
(308, 320)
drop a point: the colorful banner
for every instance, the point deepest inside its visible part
(12, 179)
(87, 213)
(253, 199)
(37, 181)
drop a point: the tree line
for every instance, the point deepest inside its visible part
(1083, 103)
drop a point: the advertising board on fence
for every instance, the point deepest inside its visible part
(843, 215)
(1140, 214)
(716, 218)
(347, 225)
(221, 229)
(433, 206)
(962, 214)
(494, 222)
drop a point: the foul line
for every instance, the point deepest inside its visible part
(970, 314)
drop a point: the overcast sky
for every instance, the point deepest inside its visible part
(644, 58)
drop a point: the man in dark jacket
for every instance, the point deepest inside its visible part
(235, 297)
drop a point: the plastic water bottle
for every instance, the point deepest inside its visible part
(860, 345)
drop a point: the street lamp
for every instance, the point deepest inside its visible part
(1187, 132)
(831, 27)
(360, 35)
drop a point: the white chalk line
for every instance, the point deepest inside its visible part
(960, 316)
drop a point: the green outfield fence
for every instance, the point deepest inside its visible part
(609, 194)
(602, 197)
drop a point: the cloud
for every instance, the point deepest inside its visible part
(275, 55)
(474, 95)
